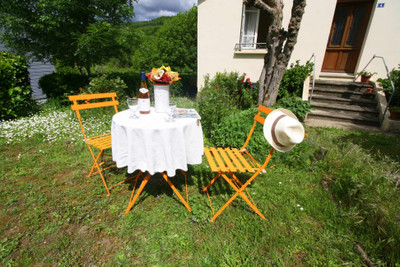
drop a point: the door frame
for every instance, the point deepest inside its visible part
(361, 40)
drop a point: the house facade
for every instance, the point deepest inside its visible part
(343, 36)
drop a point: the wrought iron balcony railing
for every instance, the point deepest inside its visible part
(250, 46)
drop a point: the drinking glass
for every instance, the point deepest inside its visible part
(171, 110)
(133, 106)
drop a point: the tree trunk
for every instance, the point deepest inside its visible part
(88, 70)
(280, 45)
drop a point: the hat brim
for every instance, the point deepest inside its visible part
(269, 121)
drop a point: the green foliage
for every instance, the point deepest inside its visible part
(296, 105)
(98, 44)
(104, 84)
(293, 79)
(15, 90)
(59, 85)
(7, 246)
(151, 27)
(74, 32)
(366, 73)
(387, 87)
(234, 129)
(357, 168)
(223, 95)
(130, 77)
(70, 215)
(174, 44)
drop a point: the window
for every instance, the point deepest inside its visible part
(254, 29)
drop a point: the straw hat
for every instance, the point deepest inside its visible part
(283, 130)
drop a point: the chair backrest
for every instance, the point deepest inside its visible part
(257, 119)
(82, 102)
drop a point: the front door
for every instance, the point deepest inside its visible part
(346, 36)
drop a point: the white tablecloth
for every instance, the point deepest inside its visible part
(152, 144)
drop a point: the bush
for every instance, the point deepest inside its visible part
(387, 87)
(104, 84)
(15, 90)
(60, 85)
(223, 95)
(293, 79)
(296, 105)
(234, 129)
(130, 77)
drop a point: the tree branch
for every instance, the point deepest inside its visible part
(267, 5)
(294, 27)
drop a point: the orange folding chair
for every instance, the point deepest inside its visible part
(100, 142)
(228, 161)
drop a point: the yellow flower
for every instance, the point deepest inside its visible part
(163, 75)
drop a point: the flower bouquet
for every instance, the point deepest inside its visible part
(162, 78)
(163, 75)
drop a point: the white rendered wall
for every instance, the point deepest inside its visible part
(383, 39)
(314, 30)
(219, 23)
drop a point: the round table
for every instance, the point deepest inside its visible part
(151, 143)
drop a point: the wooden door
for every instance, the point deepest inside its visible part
(346, 37)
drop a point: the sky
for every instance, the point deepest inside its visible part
(151, 9)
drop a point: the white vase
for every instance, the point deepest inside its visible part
(161, 97)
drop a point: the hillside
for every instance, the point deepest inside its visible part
(150, 27)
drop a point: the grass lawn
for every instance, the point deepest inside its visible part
(52, 214)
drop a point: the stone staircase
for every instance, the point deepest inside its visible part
(343, 102)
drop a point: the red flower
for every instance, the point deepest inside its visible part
(248, 79)
(244, 74)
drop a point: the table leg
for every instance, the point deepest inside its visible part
(165, 176)
(140, 189)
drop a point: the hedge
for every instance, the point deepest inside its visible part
(59, 85)
(15, 89)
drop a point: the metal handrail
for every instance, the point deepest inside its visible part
(391, 83)
(313, 78)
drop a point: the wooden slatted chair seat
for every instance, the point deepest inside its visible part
(101, 141)
(230, 159)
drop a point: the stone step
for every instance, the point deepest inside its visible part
(353, 86)
(345, 93)
(350, 109)
(338, 116)
(342, 101)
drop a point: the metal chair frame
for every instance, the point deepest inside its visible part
(227, 161)
(100, 142)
